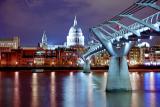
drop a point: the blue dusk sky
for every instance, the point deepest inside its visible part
(29, 18)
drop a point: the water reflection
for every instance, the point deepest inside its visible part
(152, 81)
(75, 89)
(69, 91)
(135, 100)
(135, 80)
(0, 86)
(119, 99)
(34, 85)
(152, 100)
(149, 81)
(90, 90)
(16, 93)
(53, 90)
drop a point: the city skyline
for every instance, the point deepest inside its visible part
(29, 18)
(99, 53)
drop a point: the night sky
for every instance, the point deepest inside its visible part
(29, 18)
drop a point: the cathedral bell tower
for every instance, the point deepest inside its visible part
(44, 44)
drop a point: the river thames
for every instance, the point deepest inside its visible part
(76, 89)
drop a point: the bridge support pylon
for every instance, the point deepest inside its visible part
(86, 67)
(118, 75)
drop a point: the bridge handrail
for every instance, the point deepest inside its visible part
(137, 25)
(98, 46)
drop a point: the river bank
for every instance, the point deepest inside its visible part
(131, 68)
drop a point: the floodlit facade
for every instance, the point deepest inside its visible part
(12, 43)
(34, 56)
(101, 59)
(134, 56)
(6, 44)
(75, 35)
(44, 41)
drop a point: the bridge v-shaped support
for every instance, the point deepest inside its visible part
(86, 67)
(118, 75)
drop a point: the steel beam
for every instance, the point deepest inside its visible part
(106, 43)
(127, 28)
(141, 22)
(154, 6)
(112, 29)
(106, 32)
(102, 37)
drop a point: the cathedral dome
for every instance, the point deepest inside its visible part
(75, 36)
(75, 30)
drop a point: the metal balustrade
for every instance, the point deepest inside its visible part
(93, 49)
(153, 20)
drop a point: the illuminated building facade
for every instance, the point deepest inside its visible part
(152, 56)
(12, 43)
(6, 44)
(100, 59)
(66, 56)
(44, 41)
(61, 56)
(75, 35)
(144, 55)
(39, 57)
(134, 56)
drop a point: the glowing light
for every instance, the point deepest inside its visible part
(133, 62)
(147, 63)
(151, 37)
(16, 62)
(53, 75)
(146, 55)
(71, 73)
(144, 44)
(105, 74)
(53, 63)
(157, 52)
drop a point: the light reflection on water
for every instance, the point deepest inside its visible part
(16, 93)
(135, 80)
(75, 89)
(0, 86)
(34, 98)
(53, 90)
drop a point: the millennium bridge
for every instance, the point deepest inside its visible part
(118, 42)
